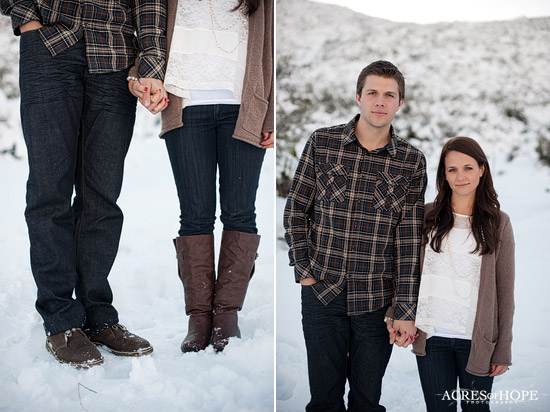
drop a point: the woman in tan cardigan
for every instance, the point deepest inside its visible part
(466, 297)
(217, 115)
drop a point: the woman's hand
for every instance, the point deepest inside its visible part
(307, 282)
(268, 140)
(406, 332)
(151, 93)
(497, 370)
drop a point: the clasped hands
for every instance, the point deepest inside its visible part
(402, 332)
(150, 93)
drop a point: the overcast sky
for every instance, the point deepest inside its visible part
(432, 11)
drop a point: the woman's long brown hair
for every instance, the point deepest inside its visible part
(486, 211)
(250, 6)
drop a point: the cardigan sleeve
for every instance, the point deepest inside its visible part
(505, 274)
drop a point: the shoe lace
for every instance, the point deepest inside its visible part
(68, 333)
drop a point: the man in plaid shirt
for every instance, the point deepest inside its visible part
(353, 223)
(78, 117)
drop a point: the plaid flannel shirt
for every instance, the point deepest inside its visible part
(107, 26)
(353, 220)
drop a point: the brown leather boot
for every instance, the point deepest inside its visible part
(235, 268)
(196, 271)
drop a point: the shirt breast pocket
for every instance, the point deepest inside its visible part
(332, 182)
(390, 192)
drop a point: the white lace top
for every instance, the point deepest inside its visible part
(447, 299)
(208, 52)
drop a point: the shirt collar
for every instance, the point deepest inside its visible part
(349, 136)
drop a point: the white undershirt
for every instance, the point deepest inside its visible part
(207, 54)
(447, 299)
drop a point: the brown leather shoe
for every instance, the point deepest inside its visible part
(73, 347)
(121, 342)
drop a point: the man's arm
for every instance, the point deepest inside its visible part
(408, 238)
(297, 212)
(150, 24)
(21, 12)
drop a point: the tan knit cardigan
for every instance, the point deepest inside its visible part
(492, 334)
(256, 114)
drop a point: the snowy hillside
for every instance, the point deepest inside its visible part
(489, 81)
(147, 293)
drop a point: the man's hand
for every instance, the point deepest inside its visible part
(307, 282)
(405, 332)
(30, 26)
(391, 330)
(268, 140)
(151, 93)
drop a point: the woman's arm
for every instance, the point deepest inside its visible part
(505, 274)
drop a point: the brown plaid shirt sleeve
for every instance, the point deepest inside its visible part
(298, 209)
(21, 12)
(114, 30)
(353, 220)
(150, 22)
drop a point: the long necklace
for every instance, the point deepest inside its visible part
(454, 273)
(215, 22)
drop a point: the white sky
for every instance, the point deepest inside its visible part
(432, 11)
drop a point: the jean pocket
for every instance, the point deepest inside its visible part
(332, 182)
(31, 46)
(390, 192)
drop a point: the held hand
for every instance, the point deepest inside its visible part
(497, 370)
(29, 26)
(406, 332)
(404, 340)
(151, 93)
(391, 330)
(268, 140)
(307, 282)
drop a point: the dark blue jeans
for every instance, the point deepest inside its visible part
(341, 347)
(77, 128)
(444, 363)
(197, 149)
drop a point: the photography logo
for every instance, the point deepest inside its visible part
(484, 397)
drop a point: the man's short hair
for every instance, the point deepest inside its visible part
(385, 69)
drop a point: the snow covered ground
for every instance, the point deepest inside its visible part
(524, 193)
(148, 295)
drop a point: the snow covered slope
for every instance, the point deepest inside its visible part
(489, 81)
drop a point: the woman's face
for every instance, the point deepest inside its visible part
(462, 173)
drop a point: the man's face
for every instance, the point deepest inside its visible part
(379, 101)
